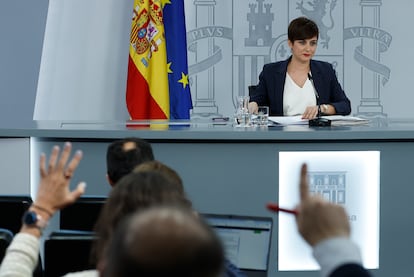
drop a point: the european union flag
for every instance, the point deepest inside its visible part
(176, 41)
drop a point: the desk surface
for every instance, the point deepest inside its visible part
(400, 130)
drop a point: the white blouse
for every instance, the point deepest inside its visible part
(296, 98)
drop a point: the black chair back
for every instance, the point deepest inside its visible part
(6, 236)
(82, 215)
(13, 208)
(67, 251)
(252, 89)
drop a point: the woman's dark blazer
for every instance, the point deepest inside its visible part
(269, 91)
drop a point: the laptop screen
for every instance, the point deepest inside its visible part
(246, 239)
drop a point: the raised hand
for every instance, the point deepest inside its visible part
(53, 191)
(318, 219)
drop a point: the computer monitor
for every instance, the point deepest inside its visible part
(82, 214)
(246, 240)
(13, 208)
(347, 178)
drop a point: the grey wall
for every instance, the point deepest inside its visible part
(22, 25)
(15, 166)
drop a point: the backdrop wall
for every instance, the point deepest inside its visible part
(82, 72)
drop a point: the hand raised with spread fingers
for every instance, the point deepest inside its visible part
(53, 191)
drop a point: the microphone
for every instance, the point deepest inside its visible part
(318, 121)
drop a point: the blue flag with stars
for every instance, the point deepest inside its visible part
(176, 42)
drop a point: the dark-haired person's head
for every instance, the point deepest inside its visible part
(136, 191)
(124, 155)
(302, 28)
(163, 242)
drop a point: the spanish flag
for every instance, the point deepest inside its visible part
(149, 94)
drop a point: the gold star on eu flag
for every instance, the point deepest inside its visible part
(184, 79)
(165, 2)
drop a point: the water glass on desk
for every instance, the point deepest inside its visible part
(242, 117)
(262, 118)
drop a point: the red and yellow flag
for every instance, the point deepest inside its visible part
(147, 94)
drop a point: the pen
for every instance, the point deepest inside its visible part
(275, 208)
(220, 119)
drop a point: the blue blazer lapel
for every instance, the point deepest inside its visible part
(279, 83)
(317, 76)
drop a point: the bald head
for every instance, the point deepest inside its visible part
(165, 242)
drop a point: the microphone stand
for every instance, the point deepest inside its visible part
(318, 121)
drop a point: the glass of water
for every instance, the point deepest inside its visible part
(262, 118)
(242, 116)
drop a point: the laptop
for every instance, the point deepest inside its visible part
(246, 240)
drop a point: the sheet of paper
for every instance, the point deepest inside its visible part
(289, 120)
(344, 118)
(336, 120)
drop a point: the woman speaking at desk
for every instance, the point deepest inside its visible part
(291, 87)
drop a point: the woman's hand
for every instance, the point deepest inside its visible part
(253, 107)
(310, 112)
